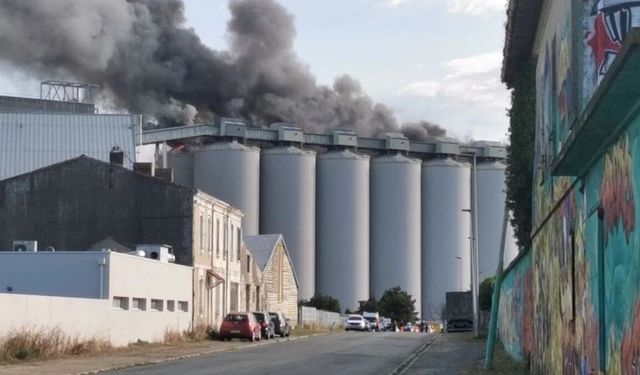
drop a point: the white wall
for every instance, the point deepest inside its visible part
(88, 318)
(47, 287)
(134, 276)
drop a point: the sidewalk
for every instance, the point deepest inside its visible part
(451, 353)
(134, 355)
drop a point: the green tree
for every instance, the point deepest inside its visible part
(398, 305)
(322, 302)
(486, 293)
(519, 174)
(368, 305)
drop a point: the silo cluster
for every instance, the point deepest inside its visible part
(357, 225)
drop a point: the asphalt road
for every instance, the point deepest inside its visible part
(343, 353)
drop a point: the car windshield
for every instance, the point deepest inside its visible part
(273, 315)
(370, 318)
(236, 317)
(355, 318)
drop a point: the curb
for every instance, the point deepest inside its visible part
(200, 354)
(409, 361)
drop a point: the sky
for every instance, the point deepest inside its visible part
(434, 60)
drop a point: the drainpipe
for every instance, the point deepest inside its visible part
(102, 264)
(495, 298)
(225, 251)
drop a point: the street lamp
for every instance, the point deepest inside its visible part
(459, 272)
(474, 244)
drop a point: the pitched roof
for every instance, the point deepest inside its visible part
(523, 17)
(263, 247)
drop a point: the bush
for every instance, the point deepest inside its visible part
(28, 344)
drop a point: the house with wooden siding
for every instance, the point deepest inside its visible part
(279, 281)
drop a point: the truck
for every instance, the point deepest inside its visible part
(374, 320)
(459, 311)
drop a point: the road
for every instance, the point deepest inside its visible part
(343, 353)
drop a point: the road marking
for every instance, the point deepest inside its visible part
(405, 365)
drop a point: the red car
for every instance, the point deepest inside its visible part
(241, 326)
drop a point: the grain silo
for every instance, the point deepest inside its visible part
(446, 232)
(181, 161)
(288, 206)
(230, 172)
(491, 200)
(395, 225)
(342, 235)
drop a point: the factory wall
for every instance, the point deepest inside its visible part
(74, 204)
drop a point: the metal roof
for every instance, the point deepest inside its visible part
(262, 248)
(522, 24)
(29, 141)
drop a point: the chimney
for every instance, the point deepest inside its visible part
(116, 156)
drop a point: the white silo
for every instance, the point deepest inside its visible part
(342, 235)
(446, 232)
(491, 200)
(288, 206)
(395, 225)
(230, 172)
(511, 247)
(181, 161)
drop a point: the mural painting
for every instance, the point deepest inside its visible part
(607, 24)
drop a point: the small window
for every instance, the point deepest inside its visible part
(171, 305)
(139, 304)
(238, 241)
(218, 238)
(183, 306)
(157, 305)
(248, 263)
(201, 234)
(121, 303)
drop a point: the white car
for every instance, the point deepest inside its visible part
(356, 322)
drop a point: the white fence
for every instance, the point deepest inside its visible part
(311, 315)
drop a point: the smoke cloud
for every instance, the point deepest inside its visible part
(147, 61)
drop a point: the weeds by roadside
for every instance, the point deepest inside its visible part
(502, 365)
(29, 344)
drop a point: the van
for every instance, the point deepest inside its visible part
(374, 320)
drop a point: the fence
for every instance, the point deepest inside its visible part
(311, 315)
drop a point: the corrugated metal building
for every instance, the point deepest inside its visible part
(21, 104)
(29, 141)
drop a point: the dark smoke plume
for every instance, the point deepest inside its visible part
(147, 61)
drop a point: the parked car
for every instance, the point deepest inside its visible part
(407, 327)
(240, 325)
(386, 324)
(267, 327)
(280, 324)
(356, 322)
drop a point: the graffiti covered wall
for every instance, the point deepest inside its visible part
(572, 305)
(516, 310)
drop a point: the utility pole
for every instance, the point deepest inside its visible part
(474, 248)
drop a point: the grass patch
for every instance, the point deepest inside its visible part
(30, 344)
(502, 365)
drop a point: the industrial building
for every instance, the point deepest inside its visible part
(32, 140)
(97, 294)
(360, 215)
